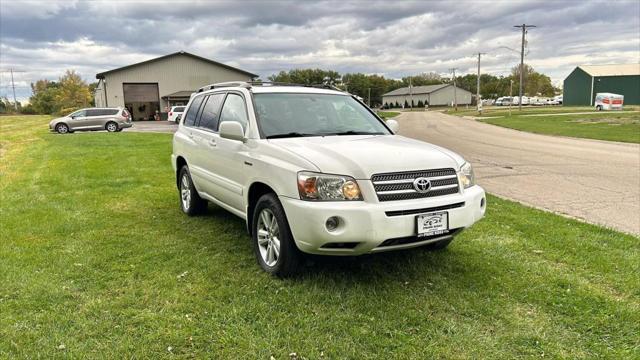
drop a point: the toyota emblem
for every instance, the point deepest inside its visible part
(422, 185)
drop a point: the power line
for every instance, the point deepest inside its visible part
(524, 31)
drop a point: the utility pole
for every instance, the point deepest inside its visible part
(13, 86)
(524, 31)
(478, 100)
(455, 96)
(410, 94)
(369, 97)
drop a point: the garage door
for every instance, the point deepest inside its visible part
(134, 93)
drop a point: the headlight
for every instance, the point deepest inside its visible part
(465, 175)
(325, 187)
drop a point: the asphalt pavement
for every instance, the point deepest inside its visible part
(596, 181)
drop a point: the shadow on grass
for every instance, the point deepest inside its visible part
(406, 265)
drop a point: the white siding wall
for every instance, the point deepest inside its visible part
(439, 97)
(172, 74)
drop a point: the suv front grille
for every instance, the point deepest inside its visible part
(399, 186)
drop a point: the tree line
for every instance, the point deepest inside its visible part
(70, 92)
(372, 87)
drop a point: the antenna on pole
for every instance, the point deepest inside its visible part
(524, 31)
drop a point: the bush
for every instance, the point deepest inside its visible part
(406, 104)
(420, 104)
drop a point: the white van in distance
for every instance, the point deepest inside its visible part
(609, 101)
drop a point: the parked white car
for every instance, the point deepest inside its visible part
(174, 113)
(314, 170)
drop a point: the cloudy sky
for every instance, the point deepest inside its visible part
(40, 39)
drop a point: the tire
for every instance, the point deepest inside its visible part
(438, 245)
(599, 108)
(119, 130)
(190, 202)
(111, 126)
(62, 128)
(273, 244)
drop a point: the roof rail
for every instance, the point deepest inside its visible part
(249, 84)
(243, 84)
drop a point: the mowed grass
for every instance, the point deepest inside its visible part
(97, 261)
(610, 125)
(388, 114)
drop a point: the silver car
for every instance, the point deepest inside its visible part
(110, 119)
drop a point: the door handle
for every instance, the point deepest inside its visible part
(213, 143)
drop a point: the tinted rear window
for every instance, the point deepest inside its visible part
(192, 114)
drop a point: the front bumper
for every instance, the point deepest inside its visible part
(369, 227)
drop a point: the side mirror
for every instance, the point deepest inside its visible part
(393, 125)
(231, 130)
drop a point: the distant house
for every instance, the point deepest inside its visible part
(162, 82)
(433, 95)
(585, 81)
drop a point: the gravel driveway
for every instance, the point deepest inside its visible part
(596, 181)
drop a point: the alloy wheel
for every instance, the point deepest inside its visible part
(268, 237)
(185, 192)
(111, 127)
(63, 129)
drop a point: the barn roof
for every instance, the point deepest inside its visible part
(611, 69)
(179, 53)
(427, 89)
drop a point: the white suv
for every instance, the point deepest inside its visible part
(314, 170)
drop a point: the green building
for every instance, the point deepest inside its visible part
(585, 81)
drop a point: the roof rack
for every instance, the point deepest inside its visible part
(249, 84)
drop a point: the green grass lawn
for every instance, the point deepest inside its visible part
(97, 261)
(388, 114)
(610, 126)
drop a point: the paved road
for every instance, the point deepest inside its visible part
(153, 126)
(596, 181)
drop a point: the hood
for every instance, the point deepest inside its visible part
(363, 156)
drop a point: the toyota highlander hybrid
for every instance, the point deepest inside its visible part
(314, 170)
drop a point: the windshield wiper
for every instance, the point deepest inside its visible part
(351, 132)
(291, 134)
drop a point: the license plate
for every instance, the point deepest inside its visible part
(430, 224)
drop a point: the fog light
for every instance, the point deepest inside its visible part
(332, 223)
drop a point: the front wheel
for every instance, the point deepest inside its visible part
(62, 128)
(273, 244)
(599, 108)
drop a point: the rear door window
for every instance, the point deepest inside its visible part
(192, 114)
(93, 112)
(211, 112)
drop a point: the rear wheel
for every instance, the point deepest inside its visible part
(273, 243)
(190, 202)
(111, 127)
(62, 128)
(599, 108)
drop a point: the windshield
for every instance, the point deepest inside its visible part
(291, 115)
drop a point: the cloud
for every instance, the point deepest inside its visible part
(43, 38)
